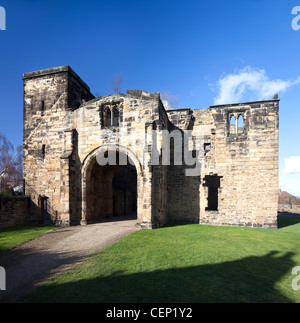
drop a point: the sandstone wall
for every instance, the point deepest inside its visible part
(289, 208)
(14, 211)
(50, 96)
(184, 191)
(247, 164)
(238, 184)
(65, 128)
(138, 110)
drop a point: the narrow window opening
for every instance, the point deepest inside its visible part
(115, 121)
(240, 124)
(43, 108)
(43, 151)
(232, 124)
(107, 117)
(110, 116)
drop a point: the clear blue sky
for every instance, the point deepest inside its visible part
(185, 47)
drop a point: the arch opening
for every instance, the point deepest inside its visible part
(232, 124)
(111, 191)
(240, 124)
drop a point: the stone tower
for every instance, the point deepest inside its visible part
(50, 97)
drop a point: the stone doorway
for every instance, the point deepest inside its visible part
(45, 208)
(111, 192)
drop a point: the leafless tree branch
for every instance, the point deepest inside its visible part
(11, 169)
(169, 100)
(116, 83)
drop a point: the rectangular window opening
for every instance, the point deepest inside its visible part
(213, 184)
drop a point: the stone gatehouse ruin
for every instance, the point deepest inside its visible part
(67, 131)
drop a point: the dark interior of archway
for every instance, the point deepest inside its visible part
(111, 192)
(124, 186)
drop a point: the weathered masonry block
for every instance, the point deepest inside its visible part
(16, 211)
(66, 129)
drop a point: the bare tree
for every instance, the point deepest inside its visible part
(4, 144)
(169, 100)
(116, 83)
(11, 162)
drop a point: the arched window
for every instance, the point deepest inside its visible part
(115, 117)
(232, 124)
(107, 117)
(240, 124)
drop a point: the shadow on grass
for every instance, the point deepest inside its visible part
(287, 219)
(27, 265)
(283, 220)
(251, 279)
(11, 237)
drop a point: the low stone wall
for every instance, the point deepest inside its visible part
(14, 211)
(289, 208)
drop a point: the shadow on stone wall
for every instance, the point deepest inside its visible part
(17, 211)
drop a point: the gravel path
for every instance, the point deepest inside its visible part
(58, 250)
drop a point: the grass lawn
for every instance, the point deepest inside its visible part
(13, 236)
(186, 263)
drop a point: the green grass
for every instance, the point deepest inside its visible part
(13, 236)
(188, 263)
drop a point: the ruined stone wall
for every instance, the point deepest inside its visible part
(64, 125)
(239, 175)
(246, 163)
(65, 128)
(48, 104)
(180, 118)
(45, 102)
(183, 196)
(184, 191)
(137, 112)
(159, 170)
(289, 208)
(14, 211)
